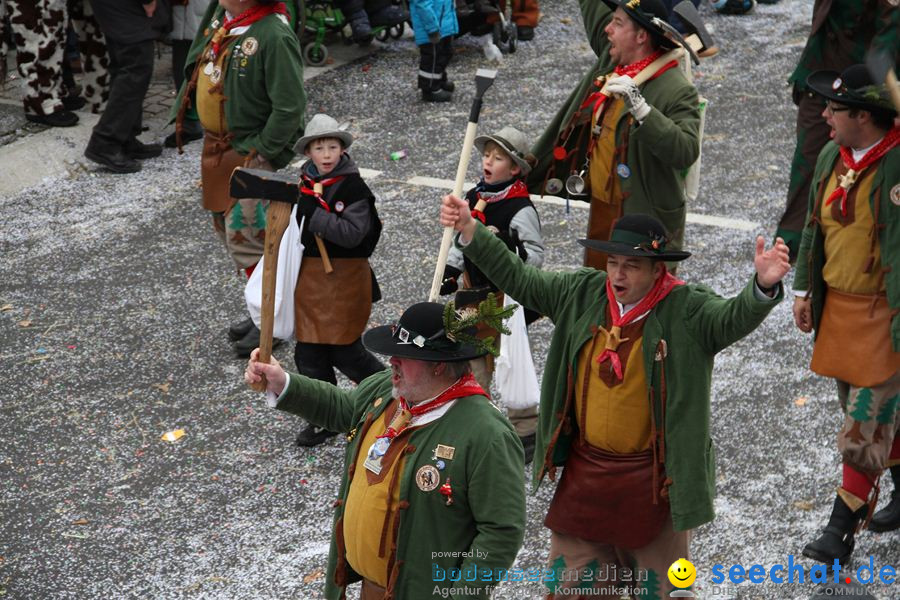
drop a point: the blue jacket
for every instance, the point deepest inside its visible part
(429, 16)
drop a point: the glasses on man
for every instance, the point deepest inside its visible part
(832, 108)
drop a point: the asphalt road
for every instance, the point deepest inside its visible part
(115, 295)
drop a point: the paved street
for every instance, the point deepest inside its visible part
(115, 295)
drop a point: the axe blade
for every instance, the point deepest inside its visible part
(259, 183)
(674, 35)
(689, 15)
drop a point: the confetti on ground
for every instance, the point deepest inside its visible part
(801, 401)
(172, 436)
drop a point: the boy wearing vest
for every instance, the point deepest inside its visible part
(509, 213)
(331, 309)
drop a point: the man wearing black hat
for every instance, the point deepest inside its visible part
(625, 393)
(432, 498)
(632, 148)
(848, 290)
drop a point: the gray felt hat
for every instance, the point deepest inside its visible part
(513, 143)
(323, 126)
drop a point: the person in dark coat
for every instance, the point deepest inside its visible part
(130, 28)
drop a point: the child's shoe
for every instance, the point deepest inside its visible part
(438, 95)
(361, 28)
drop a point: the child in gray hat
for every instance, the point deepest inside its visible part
(510, 214)
(331, 309)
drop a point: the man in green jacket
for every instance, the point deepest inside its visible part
(848, 290)
(631, 149)
(432, 497)
(625, 395)
(244, 80)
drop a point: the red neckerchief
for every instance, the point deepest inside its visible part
(307, 187)
(598, 98)
(660, 290)
(517, 189)
(855, 168)
(248, 17)
(464, 386)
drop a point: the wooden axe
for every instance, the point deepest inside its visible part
(483, 80)
(704, 44)
(881, 68)
(282, 192)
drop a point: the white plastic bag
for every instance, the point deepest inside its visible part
(290, 255)
(516, 378)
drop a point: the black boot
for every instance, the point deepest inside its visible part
(238, 330)
(836, 541)
(888, 518)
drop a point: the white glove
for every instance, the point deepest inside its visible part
(625, 87)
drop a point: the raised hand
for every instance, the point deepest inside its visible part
(772, 264)
(455, 213)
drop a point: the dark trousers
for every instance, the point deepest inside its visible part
(812, 135)
(433, 61)
(179, 57)
(318, 361)
(130, 68)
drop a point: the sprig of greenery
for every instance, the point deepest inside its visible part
(458, 322)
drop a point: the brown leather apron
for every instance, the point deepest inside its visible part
(608, 498)
(853, 343)
(319, 296)
(217, 161)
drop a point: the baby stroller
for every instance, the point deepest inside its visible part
(473, 18)
(321, 17)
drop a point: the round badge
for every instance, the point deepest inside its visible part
(427, 478)
(623, 171)
(895, 195)
(338, 206)
(208, 69)
(250, 46)
(216, 75)
(441, 465)
(554, 186)
(377, 402)
(837, 84)
(560, 153)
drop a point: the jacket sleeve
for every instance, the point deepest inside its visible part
(716, 322)
(538, 290)
(347, 229)
(672, 132)
(596, 15)
(324, 404)
(528, 226)
(801, 274)
(284, 88)
(424, 10)
(497, 501)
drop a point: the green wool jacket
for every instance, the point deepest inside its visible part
(265, 106)
(487, 518)
(682, 335)
(660, 150)
(811, 258)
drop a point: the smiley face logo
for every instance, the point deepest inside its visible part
(682, 573)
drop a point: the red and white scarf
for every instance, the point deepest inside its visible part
(597, 99)
(856, 167)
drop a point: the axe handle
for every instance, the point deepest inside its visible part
(323, 252)
(277, 217)
(447, 238)
(651, 69)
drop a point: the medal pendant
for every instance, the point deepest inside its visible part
(208, 69)
(554, 186)
(623, 171)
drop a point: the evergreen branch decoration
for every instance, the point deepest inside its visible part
(488, 312)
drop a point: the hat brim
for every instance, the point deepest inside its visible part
(822, 83)
(345, 136)
(482, 140)
(628, 250)
(381, 340)
(661, 38)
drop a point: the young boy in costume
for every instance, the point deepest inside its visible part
(510, 214)
(331, 309)
(435, 24)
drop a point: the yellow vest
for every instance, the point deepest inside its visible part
(601, 166)
(210, 99)
(848, 244)
(617, 418)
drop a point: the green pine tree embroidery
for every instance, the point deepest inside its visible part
(559, 568)
(260, 222)
(237, 218)
(860, 414)
(651, 587)
(885, 417)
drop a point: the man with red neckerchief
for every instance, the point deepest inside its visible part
(625, 398)
(848, 290)
(244, 79)
(432, 498)
(631, 148)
